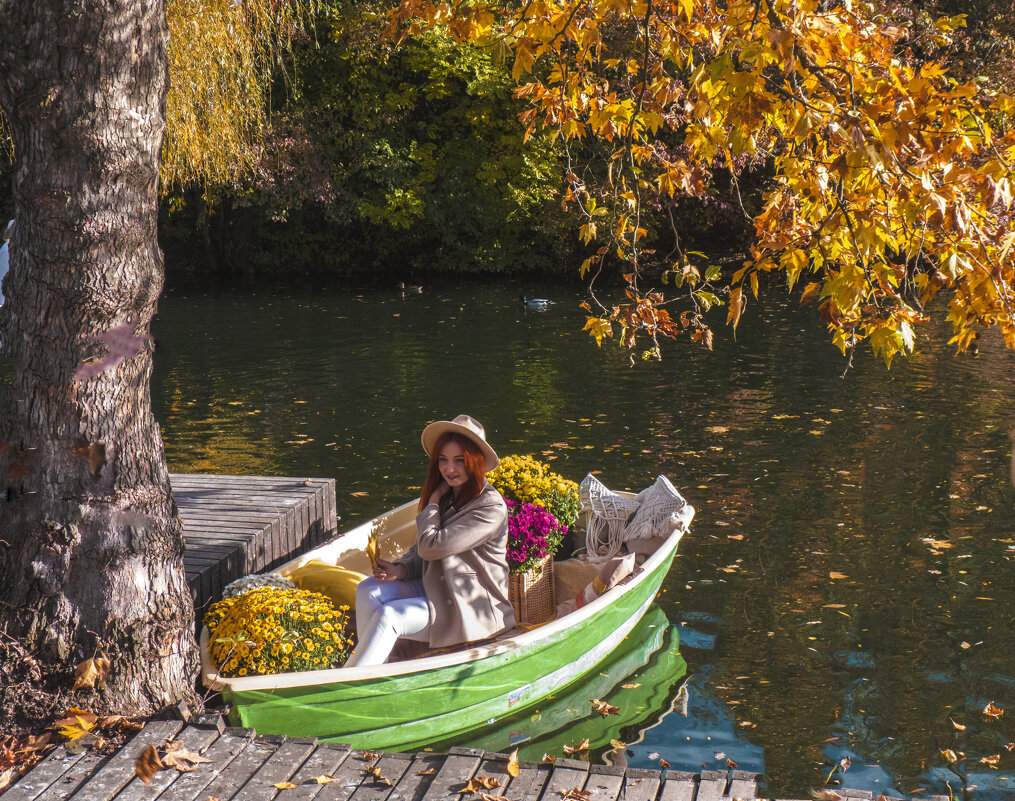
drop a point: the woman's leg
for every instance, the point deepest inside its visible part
(402, 617)
(372, 595)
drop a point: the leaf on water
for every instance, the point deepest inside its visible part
(663, 763)
(550, 758)
(834, 575)
(603, 708)
(629, 687)
(958, 726)
(358, 494)
(834, 606)
(951, 756)
(730, 764)
(844, 763)
(148, 764)
(512, 764)
(176, 756)
(583, 745)
(91, 673)
(991, 760)
(992, 711)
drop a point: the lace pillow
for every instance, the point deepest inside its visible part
(608, 513)
(662, 511)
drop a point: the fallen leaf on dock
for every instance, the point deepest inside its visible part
(512, 764)
(375, 772)
(176, 756)
(550, 758)
(576, 794)
(323, 779)
(285, 785)
(148, 764)
(427, 772)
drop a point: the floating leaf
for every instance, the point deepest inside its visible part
(630, 686)
(583, 745)
(550, 758)
(958, 726)
(603, 708)
(991, 760)
(663, 763)
(992, 711)
(834, 575)
(950, 756)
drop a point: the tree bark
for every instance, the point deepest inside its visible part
(91, 549)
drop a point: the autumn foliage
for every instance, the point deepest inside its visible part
(888, 180)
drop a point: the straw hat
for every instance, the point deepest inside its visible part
(467, 427)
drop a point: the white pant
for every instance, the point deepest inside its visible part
(385, 611)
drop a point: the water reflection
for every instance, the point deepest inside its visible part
(845, 589)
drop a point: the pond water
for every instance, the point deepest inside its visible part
(846, 586)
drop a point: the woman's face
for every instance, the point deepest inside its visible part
(451, 462)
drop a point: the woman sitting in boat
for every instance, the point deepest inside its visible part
(451, 586)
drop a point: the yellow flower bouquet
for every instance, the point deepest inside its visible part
(275, 630)
(525, 479)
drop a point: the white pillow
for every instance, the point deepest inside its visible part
(662, 510)
(608, 513)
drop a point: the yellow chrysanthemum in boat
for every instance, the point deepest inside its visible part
(273, 630)
(525, 479)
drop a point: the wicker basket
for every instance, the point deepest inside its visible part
(533, 595)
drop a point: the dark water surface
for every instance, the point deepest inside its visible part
(846, 587)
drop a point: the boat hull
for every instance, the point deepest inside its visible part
(410, 710)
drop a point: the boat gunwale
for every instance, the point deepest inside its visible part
(343, 675)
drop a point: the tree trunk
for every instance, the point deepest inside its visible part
(91, 550)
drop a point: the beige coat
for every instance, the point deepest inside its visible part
(463, 564)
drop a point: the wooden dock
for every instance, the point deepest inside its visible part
(235, 525)
(242, 766)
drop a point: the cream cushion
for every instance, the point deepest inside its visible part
(662, 510)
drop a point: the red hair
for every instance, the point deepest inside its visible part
(475, 466)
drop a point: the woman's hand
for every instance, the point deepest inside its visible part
(442, 489)
(389, 571)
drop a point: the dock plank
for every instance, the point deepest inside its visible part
(641, 784)
(194, 739)
(236, 525)
(604, 782)
(348, 776)
(48, 772)
(711, 785)
(278, 768)
(459, 766)
(117, 772)
(743, 784)
(566, 774)
(232, 778)
(417, 779)
(679, 786)
(392, 767)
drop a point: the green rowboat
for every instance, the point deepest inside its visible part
(403, 706)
